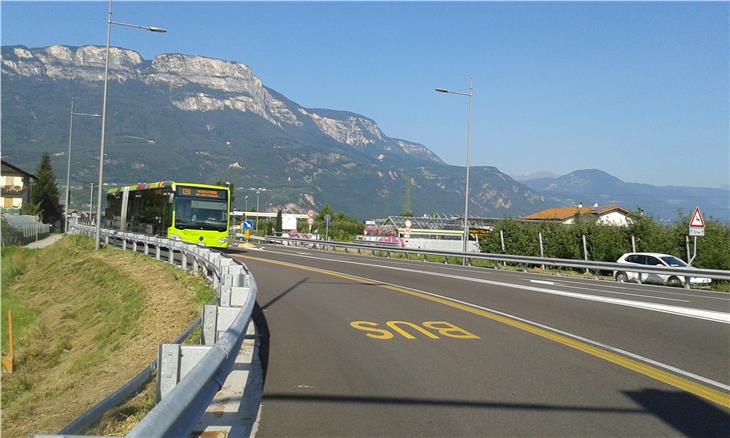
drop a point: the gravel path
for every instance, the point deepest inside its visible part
(48, 241)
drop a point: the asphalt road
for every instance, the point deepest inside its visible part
(364, 346)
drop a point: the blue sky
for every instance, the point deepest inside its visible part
(639, 90)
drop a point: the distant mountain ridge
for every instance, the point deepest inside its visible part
(206, 119)
(591, 185)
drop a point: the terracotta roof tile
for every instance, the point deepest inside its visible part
(568, 212)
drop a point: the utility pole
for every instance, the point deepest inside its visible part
(91, 202)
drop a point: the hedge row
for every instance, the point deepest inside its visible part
(608, 243)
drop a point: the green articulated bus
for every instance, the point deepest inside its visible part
(193, 213)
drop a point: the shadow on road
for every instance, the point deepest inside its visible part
(284, 293)
(689, 415)
(471, 404)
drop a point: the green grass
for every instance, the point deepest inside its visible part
(15, 261)
(85, 322)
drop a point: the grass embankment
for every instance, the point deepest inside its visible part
(85, 322)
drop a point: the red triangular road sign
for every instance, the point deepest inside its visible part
(697, 221)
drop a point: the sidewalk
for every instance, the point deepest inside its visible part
(48, 241)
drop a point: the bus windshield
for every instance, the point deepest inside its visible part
(202, 213)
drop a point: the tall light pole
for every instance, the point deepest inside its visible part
(469, 94)
(245, 208)
(91, 200)
(68, 160)
(103, 111)
(257, 209)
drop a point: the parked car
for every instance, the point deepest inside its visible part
(656, 259)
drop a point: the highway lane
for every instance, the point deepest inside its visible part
(327, 377)
(702, 299)
(692, 344)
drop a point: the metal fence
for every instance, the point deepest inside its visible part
(184, 396)
(524, 261)
(16, 232)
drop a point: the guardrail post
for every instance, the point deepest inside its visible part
(168, 359)
(157, 251)
(184, 263)
(146, 248)
(687, 284)
(196, 270)
(134, 245)
(124, 243)
(106, 239)
(524, 267)
(595, 274)
(171, 255)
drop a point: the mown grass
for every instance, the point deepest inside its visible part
(92, 320)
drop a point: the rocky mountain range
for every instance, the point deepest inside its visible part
(198, 119)
(184, 117)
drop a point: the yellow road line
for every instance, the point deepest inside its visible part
(697, 389)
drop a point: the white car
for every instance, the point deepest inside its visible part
(656, 259)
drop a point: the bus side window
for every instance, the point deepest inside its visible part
(166, 215)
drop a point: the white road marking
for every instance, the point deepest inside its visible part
(550, 283)
(708, 315)
(626, 293)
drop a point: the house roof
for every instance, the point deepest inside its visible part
(17, 169)
(569, 212)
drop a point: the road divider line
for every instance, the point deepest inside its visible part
(633, 363)
(708, 315)
(549, 283)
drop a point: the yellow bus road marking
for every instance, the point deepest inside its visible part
(694, 388)
(443, 328)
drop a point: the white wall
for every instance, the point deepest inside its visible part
(441, 245)
(614, 218)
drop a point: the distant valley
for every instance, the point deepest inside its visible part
(595, 186)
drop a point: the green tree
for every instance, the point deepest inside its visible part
(44, 193)
(278, 222)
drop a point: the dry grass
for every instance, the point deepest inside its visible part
(99, 319)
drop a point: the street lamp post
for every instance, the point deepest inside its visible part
(257, 209)
(103, 111)
(245, 208)
(68, 161)
(91, 200)
(469, 94)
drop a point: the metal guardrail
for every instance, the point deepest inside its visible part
(525, 261)
(179, 411)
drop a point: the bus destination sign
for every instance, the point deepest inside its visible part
(201, 192)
